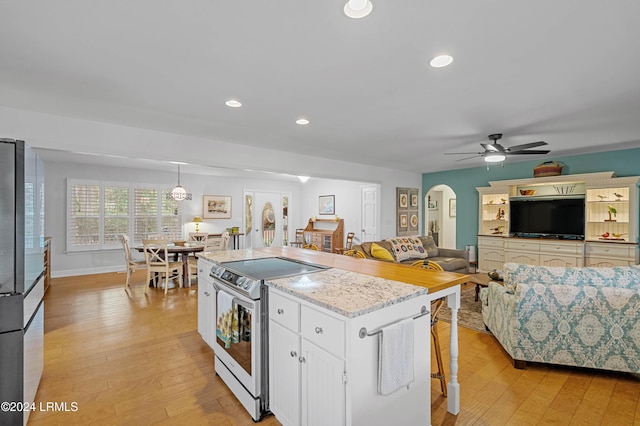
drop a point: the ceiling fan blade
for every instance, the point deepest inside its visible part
(469, 158)
(493, 147)
(529, 152)
(458, 153)
(526, 146)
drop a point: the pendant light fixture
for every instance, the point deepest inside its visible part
(179, 193)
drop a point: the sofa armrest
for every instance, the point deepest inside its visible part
(463, 254)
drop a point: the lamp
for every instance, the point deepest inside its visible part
(357, 9)
(179, 193)
(197, 220)
(494, 158)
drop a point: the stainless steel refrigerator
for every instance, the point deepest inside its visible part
(21, 278)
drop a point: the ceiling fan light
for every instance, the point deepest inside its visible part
(357, 9)
(494, 158)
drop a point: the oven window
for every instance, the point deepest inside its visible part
(233, 332)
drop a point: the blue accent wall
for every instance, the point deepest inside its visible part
(465, 181)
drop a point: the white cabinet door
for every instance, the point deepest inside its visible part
(323, 387)
(284, 374)
(206, 312)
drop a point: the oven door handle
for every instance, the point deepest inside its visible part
(236, 299)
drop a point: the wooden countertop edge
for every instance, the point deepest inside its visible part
(432, 280)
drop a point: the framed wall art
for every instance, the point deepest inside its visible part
(406, 211)
(452, 207)
(326, 204)
(216, 206)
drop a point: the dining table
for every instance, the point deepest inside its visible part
(181, 252)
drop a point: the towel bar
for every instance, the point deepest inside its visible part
(363, 331)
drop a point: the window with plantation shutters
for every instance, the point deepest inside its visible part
(99, 212)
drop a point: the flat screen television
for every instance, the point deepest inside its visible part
(547, 217)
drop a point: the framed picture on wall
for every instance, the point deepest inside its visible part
(403, 204)
(414, 200)
(452, 207)
(403, 221)
(216, 206)
(326, 204)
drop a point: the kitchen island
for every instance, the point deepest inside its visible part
(330, 321)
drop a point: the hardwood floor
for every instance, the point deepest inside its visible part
(126, 358)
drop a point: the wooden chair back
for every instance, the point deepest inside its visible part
(426, 264)
(155, 254)
(349, 244)
(217, 242)
(354, 253)
(197, 237)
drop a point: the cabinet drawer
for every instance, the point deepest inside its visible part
(490, 242)
(522, 245)
(600, 262)
(522, 257)
(323, 330)
(559, 260)
(284, 311)
(564, 248)
(611, 250)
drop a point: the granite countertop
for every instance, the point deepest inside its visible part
(347, 293)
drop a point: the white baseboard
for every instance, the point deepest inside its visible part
(85, 271)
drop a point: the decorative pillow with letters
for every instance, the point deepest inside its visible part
(407, 248)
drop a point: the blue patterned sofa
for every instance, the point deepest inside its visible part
(584, 317)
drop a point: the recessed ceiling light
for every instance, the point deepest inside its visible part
(357, 9)
(441, 61)
(302, 121)
(233, 103)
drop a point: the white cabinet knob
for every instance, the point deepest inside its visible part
(319, 330)
(280, 311)
(294, 354)
(302, 360)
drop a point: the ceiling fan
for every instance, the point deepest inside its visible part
(494, 152)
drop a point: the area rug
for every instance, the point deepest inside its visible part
(470, 312)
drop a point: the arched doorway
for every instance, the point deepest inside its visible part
(440, 215)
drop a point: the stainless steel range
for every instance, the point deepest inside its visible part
(241, 344)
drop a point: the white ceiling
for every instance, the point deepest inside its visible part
(567, 72)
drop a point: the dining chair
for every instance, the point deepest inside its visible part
(156, 256)
(197, 237)
(436, 305)
(132, 265)
(349, 244)
(299, 241)
(211, 243)
(354, 253)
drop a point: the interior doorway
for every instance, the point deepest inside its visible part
(266, 219)
(440, 215)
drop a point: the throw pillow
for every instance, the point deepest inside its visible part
(380, 252)
(407, 248)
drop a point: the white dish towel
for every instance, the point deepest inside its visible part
(395, 359)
